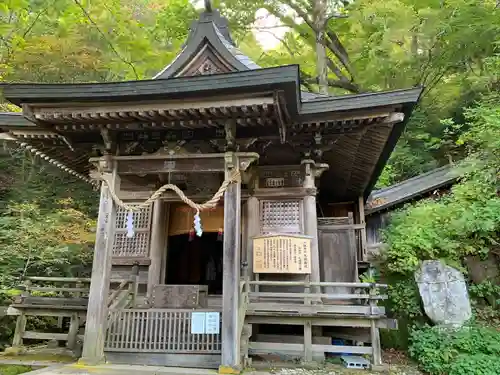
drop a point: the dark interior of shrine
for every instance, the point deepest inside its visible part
(193, 260)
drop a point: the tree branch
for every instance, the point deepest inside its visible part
(87, 15)
(346, 85)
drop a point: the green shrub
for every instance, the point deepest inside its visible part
(13, 369)
(480, 364)
(470, 350)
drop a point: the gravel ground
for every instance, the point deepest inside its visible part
(397, 364)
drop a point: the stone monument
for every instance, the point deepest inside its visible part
(444, 293)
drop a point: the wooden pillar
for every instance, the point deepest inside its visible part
(97, 310)
(17, 341)
(157, 246)
(253, 229)
(164, 257)
(74, 325)
(230, 361)
(374, 332)
(312, 171)
(361, 213)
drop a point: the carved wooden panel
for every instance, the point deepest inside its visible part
(179, 296)
(138, 245)
(281, 216)
(280, 177)
(205, 63)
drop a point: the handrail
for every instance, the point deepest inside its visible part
(75, 290)
(116, 292)
(131, 283)
(322, 283)
(370, 296)
(131, 295)
(58, 279)
(66, 279)
(244, 298)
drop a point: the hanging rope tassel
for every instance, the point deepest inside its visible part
(197, 224)
(235, 177)
(130, 224)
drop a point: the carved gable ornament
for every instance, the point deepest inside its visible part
(206, 62)
(207, 68)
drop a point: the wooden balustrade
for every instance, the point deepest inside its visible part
(63, 297)
(158, 331)
(306, 308)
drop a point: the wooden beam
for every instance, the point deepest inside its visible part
(153, 166)
(271, 347)
(361, 216)
(157, 245)
(97, 311)
(176, 163)
(164, 257)
(253, 229)
(230, 360)
(168, 196)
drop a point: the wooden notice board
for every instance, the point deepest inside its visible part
(282, 253)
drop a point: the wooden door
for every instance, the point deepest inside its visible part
(337, 251)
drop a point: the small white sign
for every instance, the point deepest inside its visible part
(212, 323)
(198, 323)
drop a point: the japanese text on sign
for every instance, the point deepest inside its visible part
(282, 254)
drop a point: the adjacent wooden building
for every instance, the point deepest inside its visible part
(381, 203)
(276, 268)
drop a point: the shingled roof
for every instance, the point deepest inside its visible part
(354, 134)
(410, 189)
(212, 29)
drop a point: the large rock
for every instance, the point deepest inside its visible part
(444, 293)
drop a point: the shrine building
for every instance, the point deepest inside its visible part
(231, 219)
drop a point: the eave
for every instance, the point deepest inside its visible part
(284, 78)
(413, 188)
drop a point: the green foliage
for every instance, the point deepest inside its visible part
(404, 299)
(487, 290)
(467, 351)
(13, 369)
(56, 243)
(465, 222)
(46, 220)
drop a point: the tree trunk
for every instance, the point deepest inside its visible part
(319, 21)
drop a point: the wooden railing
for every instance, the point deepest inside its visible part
(56, 286)
(158, 331)
(126, 293)
(313, 307)
(63, 297)
(363, 293)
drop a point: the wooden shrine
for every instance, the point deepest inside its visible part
(284, 173)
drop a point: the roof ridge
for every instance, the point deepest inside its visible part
(414, 178)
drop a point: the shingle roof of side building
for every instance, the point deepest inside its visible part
(412, 188)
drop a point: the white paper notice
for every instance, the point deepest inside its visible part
(212, 323)
(198, 323)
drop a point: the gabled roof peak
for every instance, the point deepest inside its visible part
(209, 41)
(219, 22)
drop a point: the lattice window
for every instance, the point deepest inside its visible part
(137, 246)
(281, 216)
